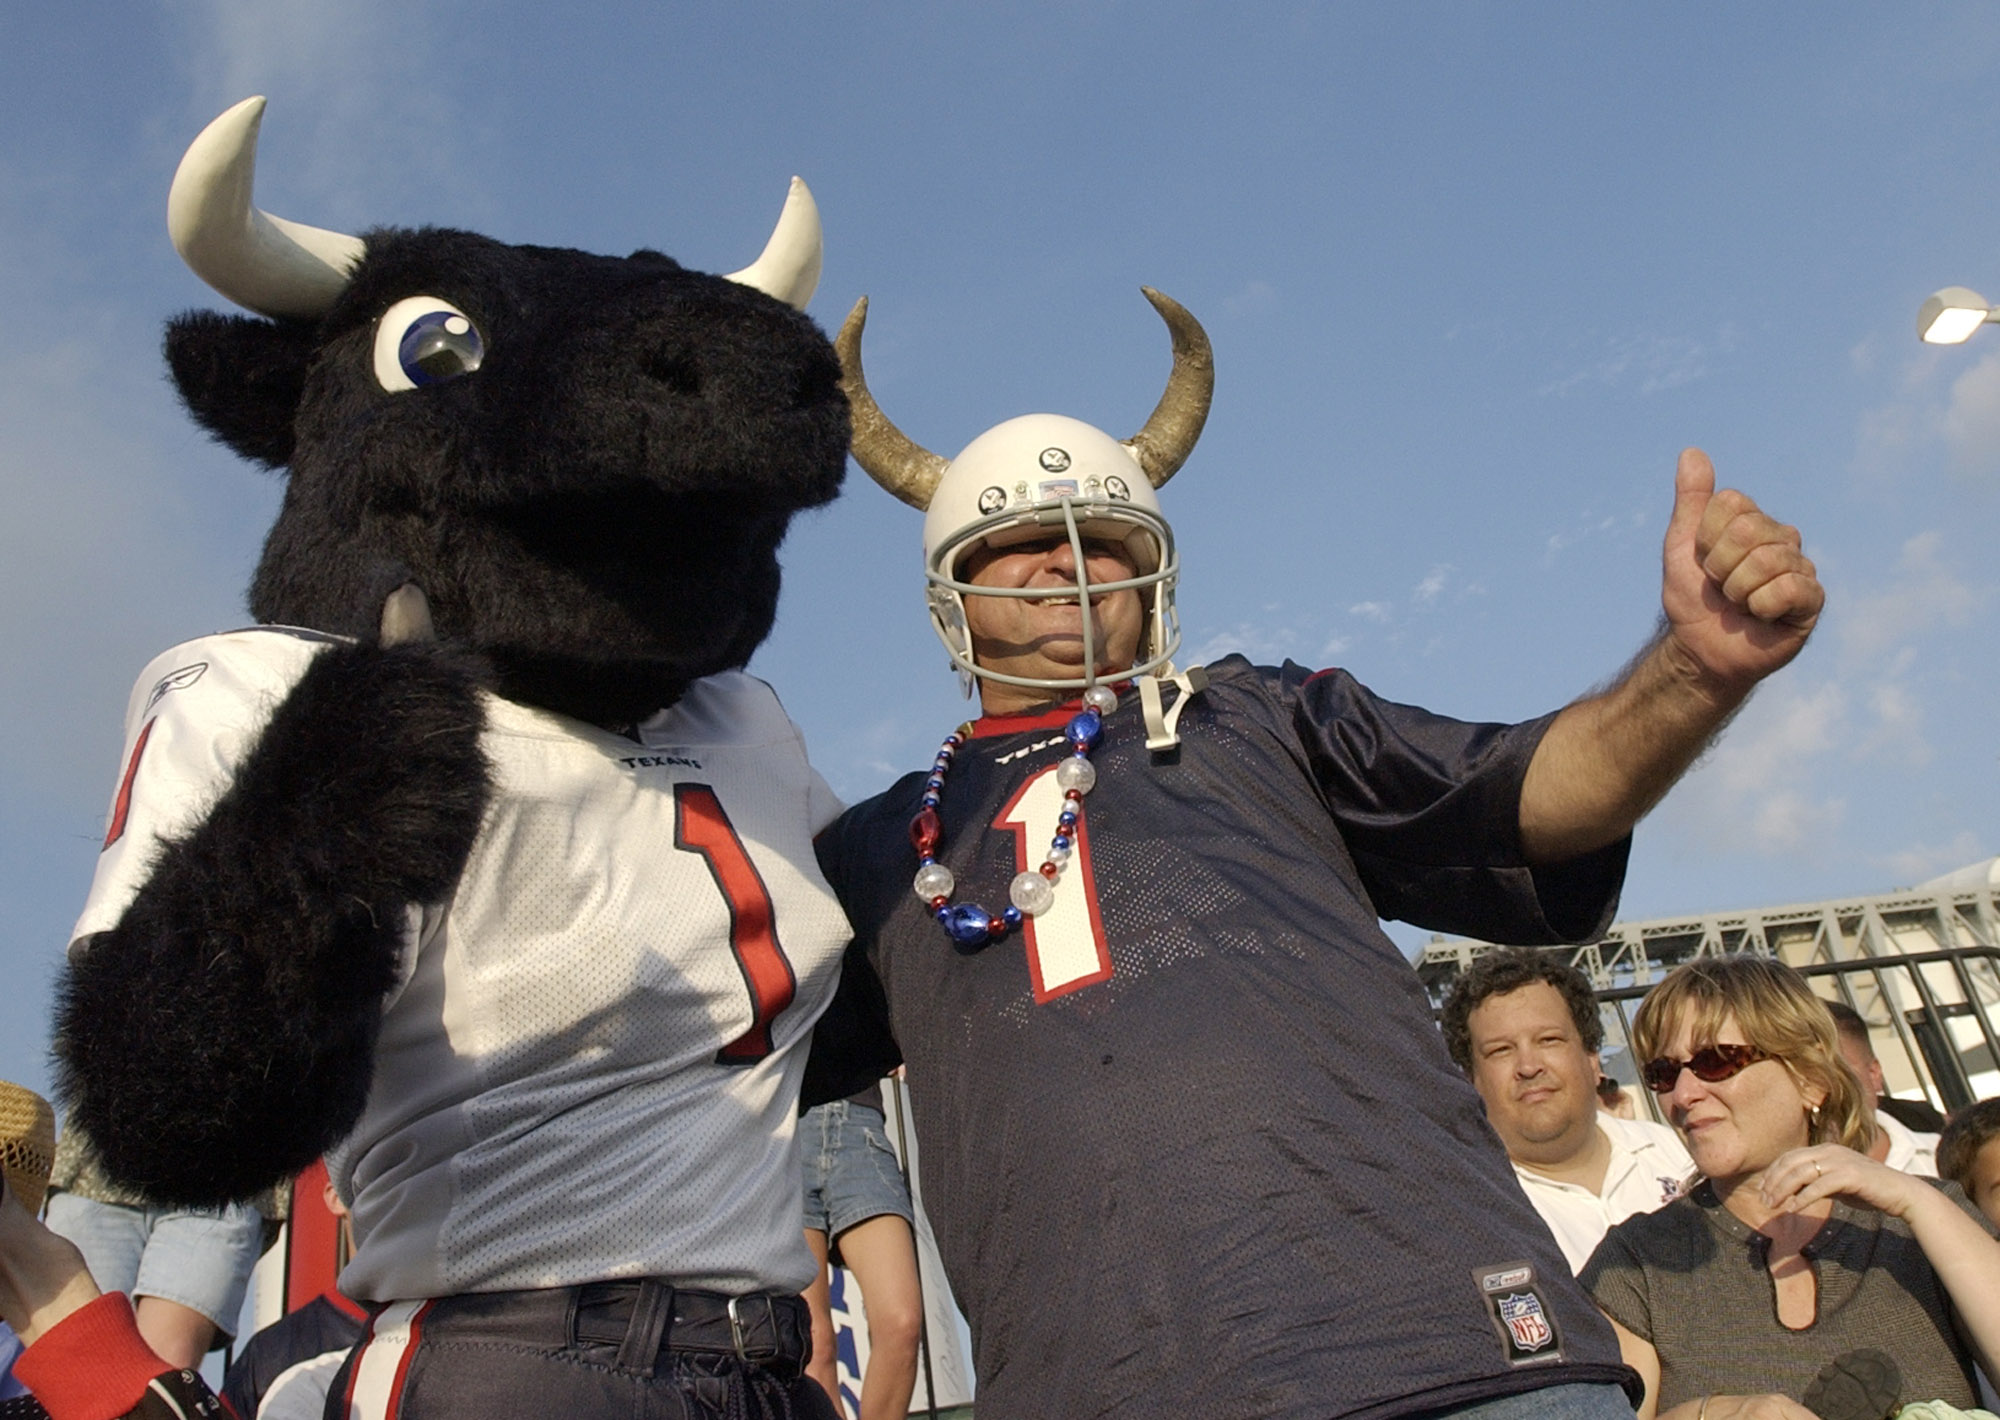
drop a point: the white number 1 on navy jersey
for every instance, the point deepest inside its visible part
(701, 826)
(1065, 945)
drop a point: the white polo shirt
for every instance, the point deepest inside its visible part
(1910, 1151)
(1647, 1169)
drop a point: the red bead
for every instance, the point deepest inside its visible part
(940, 901)
(1073, 795)
(997, 930)
(925, 830)
(1049, 871)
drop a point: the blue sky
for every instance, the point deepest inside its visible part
(1474, 273)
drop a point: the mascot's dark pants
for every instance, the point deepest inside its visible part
(635, 1350)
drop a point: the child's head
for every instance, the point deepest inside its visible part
(1969, 1155)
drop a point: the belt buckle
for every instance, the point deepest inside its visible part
(737, 1325)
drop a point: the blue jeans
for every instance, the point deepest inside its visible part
(851, 1174)
(201, 1259)
(1556, 1402)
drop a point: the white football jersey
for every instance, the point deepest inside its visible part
(591, 1065)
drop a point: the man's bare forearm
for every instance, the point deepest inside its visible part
(1611, 756)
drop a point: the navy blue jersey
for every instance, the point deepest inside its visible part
(1197, 1147)
(329, 1322)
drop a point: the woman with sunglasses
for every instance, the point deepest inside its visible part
(1794, 1248)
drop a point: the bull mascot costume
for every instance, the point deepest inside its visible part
(479, 865)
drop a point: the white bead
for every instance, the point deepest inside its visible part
(1101, 698)
(934, 880)
(1077, 773)
(1031, 892)
(1058, 856)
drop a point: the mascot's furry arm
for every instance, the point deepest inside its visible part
(268, 936)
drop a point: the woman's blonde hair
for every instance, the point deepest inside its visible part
(1778, 1013)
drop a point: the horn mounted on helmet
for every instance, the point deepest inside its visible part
(1036, 474)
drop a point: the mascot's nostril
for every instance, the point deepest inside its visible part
(673, 370)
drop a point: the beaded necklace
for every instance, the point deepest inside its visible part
(1031, 893)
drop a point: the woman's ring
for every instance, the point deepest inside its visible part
(1818, 1172)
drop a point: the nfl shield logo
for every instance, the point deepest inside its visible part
(1522, 1311)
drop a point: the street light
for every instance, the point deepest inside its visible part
(1950, 316)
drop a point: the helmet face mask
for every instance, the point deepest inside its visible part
(1042, 475)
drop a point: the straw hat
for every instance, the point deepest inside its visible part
(27, 1143)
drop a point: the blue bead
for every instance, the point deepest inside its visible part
(1084, 730)
(1061, 840)
(1066, 820)
(931, 801)
(1012, 916)
(969, 925)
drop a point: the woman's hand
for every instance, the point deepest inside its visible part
(1801, 1177)
(42, 1276)
(1964, 1255)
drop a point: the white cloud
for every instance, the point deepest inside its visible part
(1433, 583)
(348, 84)
(1252, 298)
(1370, 611)
(1971, 424)
(1925, 594)
(1262, 643)
(1897, 733)
(1756, 791)
(1656, 362)
(1589, 524)
(1922, 861)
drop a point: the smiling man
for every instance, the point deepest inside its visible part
(1523, 1025)
(1191, 1142)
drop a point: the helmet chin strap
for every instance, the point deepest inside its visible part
(1162, 724)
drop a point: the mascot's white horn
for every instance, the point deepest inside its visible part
(261, 262)
(280, 268)
(788, 267)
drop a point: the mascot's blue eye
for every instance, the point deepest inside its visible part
(422, 340)
(440, 346)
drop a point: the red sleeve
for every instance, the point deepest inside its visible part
(91, 1365)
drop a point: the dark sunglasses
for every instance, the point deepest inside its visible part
(1712, 1063)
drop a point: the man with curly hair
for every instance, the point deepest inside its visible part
(1523, 1025)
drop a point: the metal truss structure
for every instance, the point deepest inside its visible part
(1922, 966)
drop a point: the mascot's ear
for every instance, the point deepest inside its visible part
(242, 379)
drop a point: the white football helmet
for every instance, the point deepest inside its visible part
(1040, 473)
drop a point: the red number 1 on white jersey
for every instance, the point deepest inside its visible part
(701, 826)
(1065, 945)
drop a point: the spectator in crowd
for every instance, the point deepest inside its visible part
(1969, 1155)
(858, 1213)
(85, 1359)
(1614, 1099)
(185, 1269)
(27, 1150)
(1795, 1247)
(1895, 1144)
(286, 1369)
(1523, 1024)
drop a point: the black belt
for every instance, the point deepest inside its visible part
(649, 1317)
